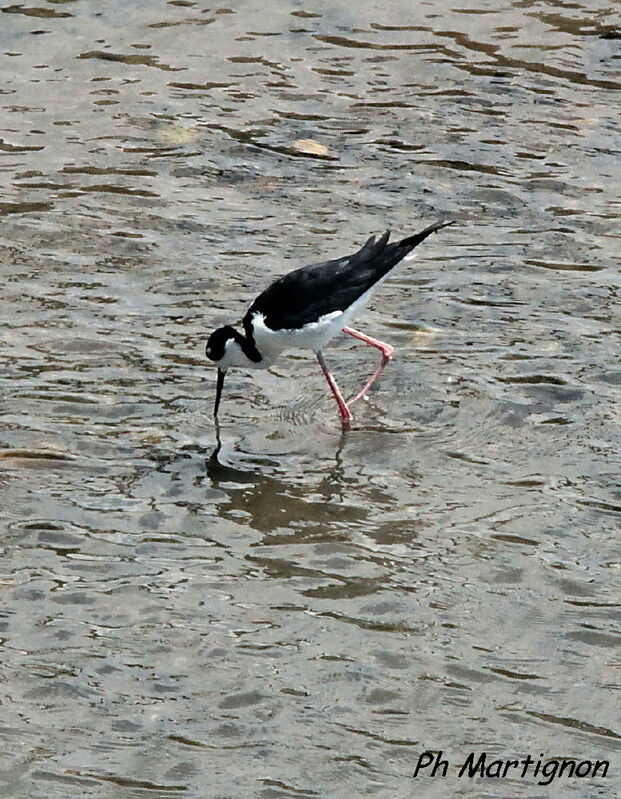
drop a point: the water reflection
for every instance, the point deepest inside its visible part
(276, 506)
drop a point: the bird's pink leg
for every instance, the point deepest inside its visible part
(387, 353)
(346, 414)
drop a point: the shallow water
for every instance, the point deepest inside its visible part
(303, 610)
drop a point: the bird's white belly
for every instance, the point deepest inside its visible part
(313, 336)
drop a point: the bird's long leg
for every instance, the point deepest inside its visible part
(387, 353)
(346, 414)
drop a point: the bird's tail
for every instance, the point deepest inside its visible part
(410, 242)
(378, 257)
(392, 254)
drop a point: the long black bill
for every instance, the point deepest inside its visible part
(219, 384)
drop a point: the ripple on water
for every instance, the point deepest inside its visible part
(216, 602)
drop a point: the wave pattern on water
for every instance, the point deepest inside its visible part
(278, 607)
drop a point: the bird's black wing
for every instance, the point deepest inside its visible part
(308, 293)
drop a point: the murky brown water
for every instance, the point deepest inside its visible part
(304, 612)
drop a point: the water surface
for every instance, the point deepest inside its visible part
(303, 611)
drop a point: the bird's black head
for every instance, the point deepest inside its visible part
(216, 345)
(228, 347)
(224, 348)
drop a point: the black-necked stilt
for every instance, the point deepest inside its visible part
(308, 307)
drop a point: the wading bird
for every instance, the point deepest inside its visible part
(309, 306)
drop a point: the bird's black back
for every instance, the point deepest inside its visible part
(308, 293)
